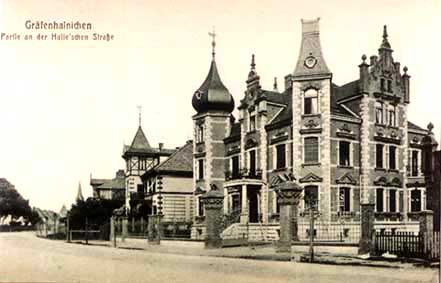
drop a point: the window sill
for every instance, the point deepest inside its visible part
(380, 169)
(251, 132)
(318, 115)
(394, 170)
(279, 169)
(345, 166)
(311, 164)
(200, 143)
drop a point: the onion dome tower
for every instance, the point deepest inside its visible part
(212, 123)
(212, 95)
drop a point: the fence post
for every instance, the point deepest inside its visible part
(112, 231)
(125, 223)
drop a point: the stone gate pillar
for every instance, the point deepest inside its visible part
(288, 198)
(366, 244)
(213, 205)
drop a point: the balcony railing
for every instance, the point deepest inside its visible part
(243, 173)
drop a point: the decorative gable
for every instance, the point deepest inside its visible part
(311, 178)
(346, 178)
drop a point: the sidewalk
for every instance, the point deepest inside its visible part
(322, 254)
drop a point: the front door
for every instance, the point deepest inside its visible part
(253, 206)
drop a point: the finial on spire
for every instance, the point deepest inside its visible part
(385, 32)
(213, 42)
(385, 44)
(253, 62)
(275, 84)
(139, 114)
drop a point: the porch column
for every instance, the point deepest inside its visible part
(244, 206)
(226, 201)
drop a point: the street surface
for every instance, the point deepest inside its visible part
(26, 258)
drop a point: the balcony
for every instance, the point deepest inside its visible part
(243, 173)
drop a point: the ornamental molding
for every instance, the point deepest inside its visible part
(311, 178)
(346, 178)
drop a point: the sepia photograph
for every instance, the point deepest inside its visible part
(220, 141)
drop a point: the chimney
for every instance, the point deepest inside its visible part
(288, 81)
(405, 77)
(161, 145)
(364, 74)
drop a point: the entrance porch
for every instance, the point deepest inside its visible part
(242, 202)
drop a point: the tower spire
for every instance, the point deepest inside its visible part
(139, 114)
(213, 42)
(385, 44)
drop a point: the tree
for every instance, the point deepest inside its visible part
(12, 203)
(97, 211)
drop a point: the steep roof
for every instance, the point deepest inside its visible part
(339, 93)
(311, 61)
(413, 126)
(180, 161)
(140, 141)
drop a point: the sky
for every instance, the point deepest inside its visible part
(67, 107)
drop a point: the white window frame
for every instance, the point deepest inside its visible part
(351, 197)
(303, 147)
(303, 101)
(318, 197)
(351, 160)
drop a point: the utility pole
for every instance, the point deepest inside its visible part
(311, 234)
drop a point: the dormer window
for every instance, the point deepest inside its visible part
(310, 102)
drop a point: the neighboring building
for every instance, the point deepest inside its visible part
(168, 186)
(346, 145)
(109, 188)
(139, 158)
(79, 196)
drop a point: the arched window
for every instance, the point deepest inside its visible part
(310, 103)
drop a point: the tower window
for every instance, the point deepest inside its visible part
(414, 163)
(344, 199)
(200, 207)
(311, 102)
(281, 156)
(199, 133)
(382, 85)
(252, 122)
(378, 113)
(392, 157)
(311, 150)
(379, 156)
(200, 169)
(344, 153)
